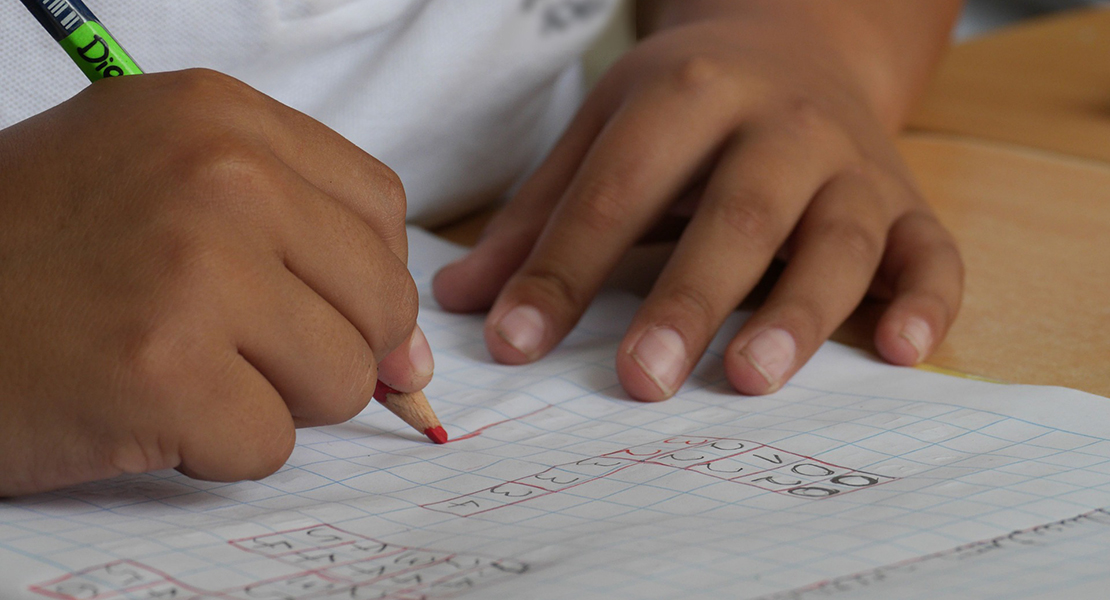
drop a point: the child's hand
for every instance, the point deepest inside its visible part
(189, 270)
(774, 148)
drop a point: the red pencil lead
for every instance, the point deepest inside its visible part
(437, 434)
(413, 408)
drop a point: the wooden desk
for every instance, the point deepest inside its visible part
(1034, 231)
(1045, 84)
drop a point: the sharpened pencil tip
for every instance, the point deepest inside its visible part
(437, 434)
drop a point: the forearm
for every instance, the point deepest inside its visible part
(889, 48)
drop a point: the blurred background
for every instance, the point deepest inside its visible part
(980, 17)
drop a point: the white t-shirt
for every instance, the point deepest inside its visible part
(460, 97)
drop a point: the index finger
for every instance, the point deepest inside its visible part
(635, 167)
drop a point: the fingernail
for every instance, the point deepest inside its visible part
(420, 354)
(917, 332)
(522, 327)
(661, 353)
(772, 354)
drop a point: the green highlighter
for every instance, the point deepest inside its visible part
(82, 36)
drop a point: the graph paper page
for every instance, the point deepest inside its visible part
(1062, 559)
(857, 478)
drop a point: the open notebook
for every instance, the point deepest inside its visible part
(857, 480)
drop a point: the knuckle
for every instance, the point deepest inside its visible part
(805, 317)
(554, 286)
(692, 301)
(391, 185)
(698, 74)
(227, 174)
(392, 190)
(401, 304)
(152, 355)
(200, 87)
(600, 207)
(807, 119)
(858, 242)
(882, 180)
(221, 161)
(751, 216)
(140, 453)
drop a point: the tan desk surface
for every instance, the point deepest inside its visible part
(1034, 230)
(1045, 84)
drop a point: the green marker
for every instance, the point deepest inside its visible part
(82, 36)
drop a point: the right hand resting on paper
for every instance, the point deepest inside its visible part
(189, 270)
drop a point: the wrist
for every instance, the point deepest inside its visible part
(888, 49)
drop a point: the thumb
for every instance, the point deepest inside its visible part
(409, 367)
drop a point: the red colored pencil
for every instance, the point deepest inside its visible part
(413, 409)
